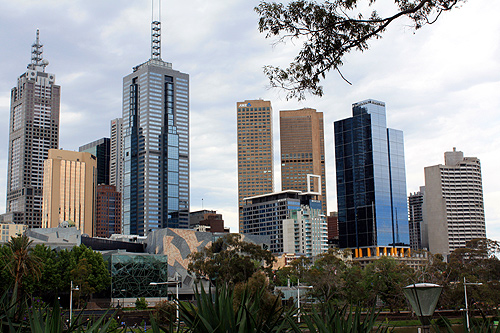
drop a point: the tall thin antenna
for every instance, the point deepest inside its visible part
(156, 32)
(37, 54)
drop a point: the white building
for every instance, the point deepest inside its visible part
(453, 203)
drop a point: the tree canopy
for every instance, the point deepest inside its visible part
(230, 260)
(329, 30)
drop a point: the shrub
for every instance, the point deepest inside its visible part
(164, 312)
(141, 303)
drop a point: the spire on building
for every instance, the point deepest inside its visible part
(156, 32)
(37, 61)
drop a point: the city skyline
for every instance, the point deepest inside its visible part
(441, 92)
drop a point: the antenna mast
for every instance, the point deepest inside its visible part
(37, 54)
(156, 32)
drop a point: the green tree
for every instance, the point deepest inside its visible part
(328, 31)
(21, 262)
(230, 260)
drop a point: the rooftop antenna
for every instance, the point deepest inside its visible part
(37, 54)
(155, 31)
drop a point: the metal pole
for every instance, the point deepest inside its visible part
(466, 306)
(177, 296)
(71, 303)
(298, 300)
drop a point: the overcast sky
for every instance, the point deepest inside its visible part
(441, 84)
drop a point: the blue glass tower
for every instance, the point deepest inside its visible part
(371, 181)
(156, 145)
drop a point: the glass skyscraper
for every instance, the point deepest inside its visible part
(156, 145)
(371, 182)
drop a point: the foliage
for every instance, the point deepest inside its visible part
(141, 303)
(164, 312)
(256, 284)
(215, 313)
(230, 260)
(329, 30)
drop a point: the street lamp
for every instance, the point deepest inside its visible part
(298, 297)
(423, 298)
(169, 283)
(71, 301)
(466, 303)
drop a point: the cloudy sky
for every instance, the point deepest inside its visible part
(441, 84)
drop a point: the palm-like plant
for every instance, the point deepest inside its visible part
(20, 261)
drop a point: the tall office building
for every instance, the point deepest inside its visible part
(453, 203)
(108, 211)
(100, 149)
(69, 190)
(116, 154)
(255, 151)
(371, 182)
(416, 218)
(293, 220)
(302, 142)
(156, 145)
(33, 130)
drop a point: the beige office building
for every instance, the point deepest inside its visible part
(453, 203)
(303, 151)
(69, 190)
(255, 151)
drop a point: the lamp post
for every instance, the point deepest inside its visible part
(169, 283)
(71, 301)
(423, 298)
(298, 298)
(466, 303)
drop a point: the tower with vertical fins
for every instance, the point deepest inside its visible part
(155, 145)
(33, 130)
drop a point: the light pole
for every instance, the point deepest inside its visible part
(423, 298)
(71, 301)
(169, 283)
(298, 298)
(466, 303)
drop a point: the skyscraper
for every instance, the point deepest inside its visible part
(416, 218)
(156, 145)
(302, 151)
(108, 211)
(371, 182)
(453, 203)
(33, 130)
(100, 149)
(255, 151)
(116, 154)
(69, 190)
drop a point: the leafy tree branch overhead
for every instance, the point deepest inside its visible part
(330, 30)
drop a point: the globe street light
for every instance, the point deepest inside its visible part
(423, 298)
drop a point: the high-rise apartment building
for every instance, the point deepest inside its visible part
(303, 151)
(293, 220)
(416, 218)
(100, 149)
(156, 145)
(108, 211)
(371, 182)
(69, 190)
(255, 151)
(33, 130)
(453, 203)
(116, 154)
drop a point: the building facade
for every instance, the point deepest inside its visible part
(371, 182)
(115, 154)
(255, 151)
(9, 229)
(108, 211)
(156, 145)
(69, 190)
(33, 130)
(303, 151)
(293, 220)
(100, 149)
(453, 203)
(416, 218)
